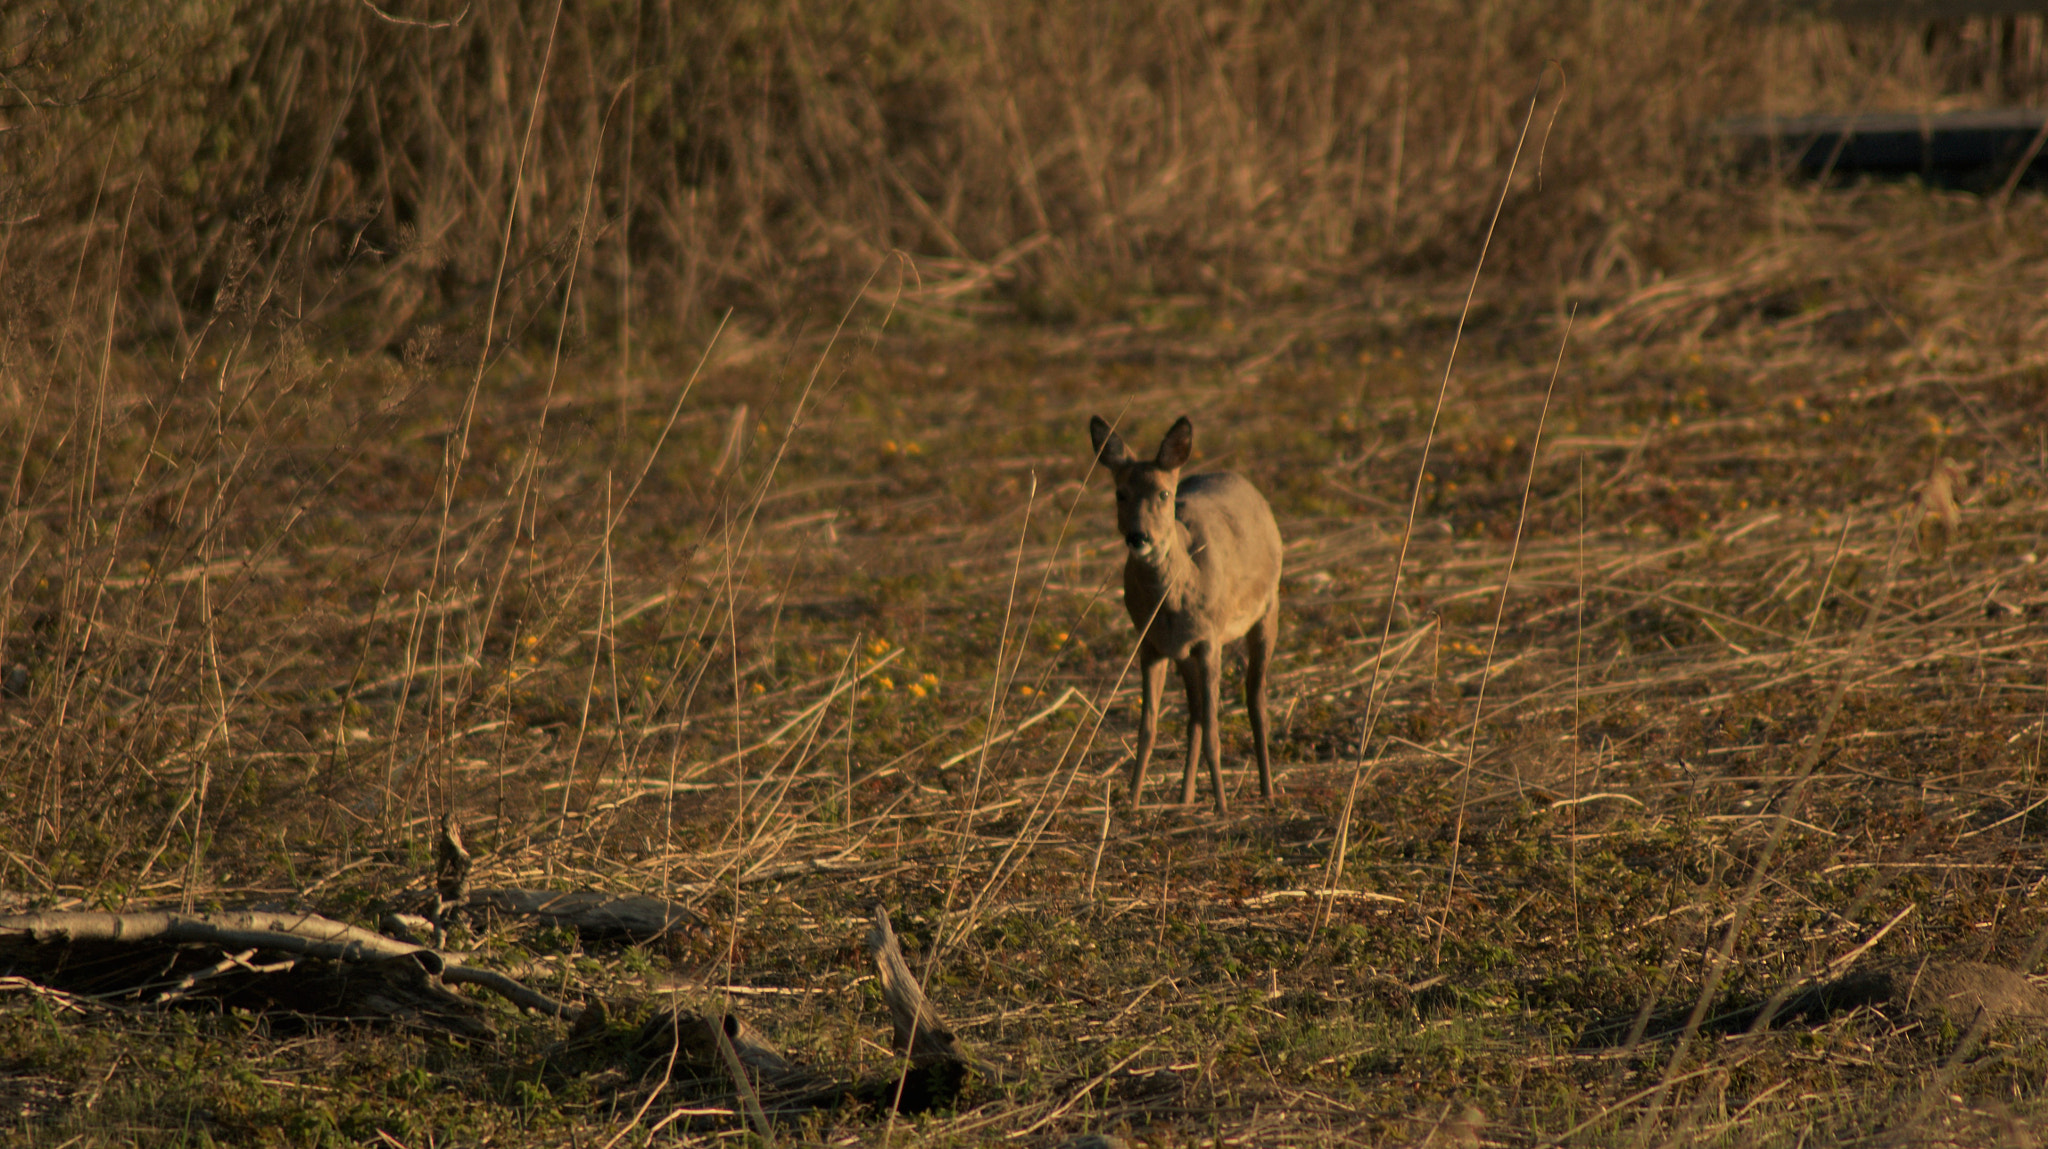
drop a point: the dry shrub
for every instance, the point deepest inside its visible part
(358, 163)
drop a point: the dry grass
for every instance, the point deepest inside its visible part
(830, 619)
(750, 654)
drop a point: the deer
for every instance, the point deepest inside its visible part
(1201, 570)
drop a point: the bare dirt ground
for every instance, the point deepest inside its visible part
(1709, 677)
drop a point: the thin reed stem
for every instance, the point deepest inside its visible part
(1333, 873)
(1500, 611)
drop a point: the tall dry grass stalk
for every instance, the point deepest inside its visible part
(1373, 700)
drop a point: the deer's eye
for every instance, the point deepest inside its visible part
(1162, 496)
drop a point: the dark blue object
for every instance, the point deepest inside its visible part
(1981, 148)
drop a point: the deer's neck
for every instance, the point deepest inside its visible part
(1167, 574)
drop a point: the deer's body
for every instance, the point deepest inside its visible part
(1203, 570)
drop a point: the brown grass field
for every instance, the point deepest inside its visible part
(706, 510)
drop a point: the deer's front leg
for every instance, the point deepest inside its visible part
(1201, 675)
(1151, 681)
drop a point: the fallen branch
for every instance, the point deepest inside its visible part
(309, 935)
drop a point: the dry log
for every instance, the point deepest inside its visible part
(589, 913)
(686, 1046)
(634, 915)
(1915, 986)
(309, 935)
(920, 1032)
(451, 874)
(694, 1049)
(937, 1063)
(694, 1039)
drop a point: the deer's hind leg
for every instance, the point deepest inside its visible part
(1193, 690)
(1259, 642)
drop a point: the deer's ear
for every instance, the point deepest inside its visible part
(1177, 446)
(1109, 446)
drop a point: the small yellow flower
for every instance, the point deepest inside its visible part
(878, 647)
(532, 640)
(1026, 691)
(930, 679)
(912, 449)
(757, 688)
(917, 689)
(885, 682)
(1059, 639)
(889, 447)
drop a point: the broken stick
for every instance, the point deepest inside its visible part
(921, 1033)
